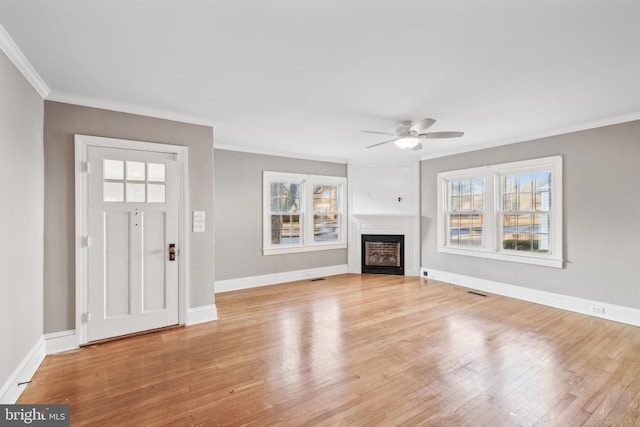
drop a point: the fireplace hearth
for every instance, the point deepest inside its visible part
(383, 254)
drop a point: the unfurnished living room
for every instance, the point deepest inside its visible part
(319, 213)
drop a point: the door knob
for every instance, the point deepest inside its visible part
(172, 251)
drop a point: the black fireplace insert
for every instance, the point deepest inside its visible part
(383, 254)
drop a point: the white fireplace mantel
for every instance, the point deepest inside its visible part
(384, 198)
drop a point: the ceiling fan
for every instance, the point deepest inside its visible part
(409, 135)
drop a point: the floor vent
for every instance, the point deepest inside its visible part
(316, 279)
(476, 293)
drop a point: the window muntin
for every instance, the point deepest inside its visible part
(133, 182)
(285, 213)
(465, 206)
(303, 212)
(326, 216)
(521, 212)
(525, 215)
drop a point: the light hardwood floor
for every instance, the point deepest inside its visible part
(358, 350)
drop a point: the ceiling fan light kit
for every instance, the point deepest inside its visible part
(407, 142)
(409, 135)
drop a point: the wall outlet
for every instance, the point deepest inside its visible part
(597, 309)
(425, 273)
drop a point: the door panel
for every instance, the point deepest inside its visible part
(132, 219)
(116, 264)
(153, 261)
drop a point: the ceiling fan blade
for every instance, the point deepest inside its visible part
(422, 126)
(417, 147)
(381, 143)
(378, 133)
(433, 135)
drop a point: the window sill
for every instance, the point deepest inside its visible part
(502, 256)
(298, 249)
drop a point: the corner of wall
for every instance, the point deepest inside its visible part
(207, 313)
(599, 309)
(21, 375)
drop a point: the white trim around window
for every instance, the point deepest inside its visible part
(508, 212)
(303, 228)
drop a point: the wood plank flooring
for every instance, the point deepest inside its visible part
(358, 350)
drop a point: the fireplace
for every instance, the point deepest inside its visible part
(383, 254)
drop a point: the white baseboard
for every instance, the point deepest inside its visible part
(203, 314)
(10, 391)
(608, 311)
(276, 278)
(57, 342)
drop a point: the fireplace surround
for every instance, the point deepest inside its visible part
(383, 254)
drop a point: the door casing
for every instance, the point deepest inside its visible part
(82, 144)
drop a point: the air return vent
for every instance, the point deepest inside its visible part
(476, 293)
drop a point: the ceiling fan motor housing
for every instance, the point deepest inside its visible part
(404, 129)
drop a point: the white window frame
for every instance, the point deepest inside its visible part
(492, 239)
(306, 183)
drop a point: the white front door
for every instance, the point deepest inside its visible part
(132, 276)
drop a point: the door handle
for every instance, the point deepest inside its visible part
(172, 251)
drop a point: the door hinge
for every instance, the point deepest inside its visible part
(86, 317)
(86, 241)
(86, 166)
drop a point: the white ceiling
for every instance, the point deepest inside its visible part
(304, 77)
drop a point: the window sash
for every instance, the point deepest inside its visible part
(534, 205)
(465, 211)
(316, 222)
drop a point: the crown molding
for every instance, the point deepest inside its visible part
(594, 124)
(122, 107)
(15, 55)
(254, 150)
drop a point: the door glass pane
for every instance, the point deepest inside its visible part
(156, 172)
(135, 192)
(113, 192)
(113, 169)
(156, 193)
(135, 171)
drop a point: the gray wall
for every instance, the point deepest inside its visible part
(61, 123)
(238, 212)
(21, 217)
(601, 214)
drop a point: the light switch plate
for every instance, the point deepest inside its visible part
(198, 227)
(199, 216)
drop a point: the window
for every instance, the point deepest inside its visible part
(303, 213)
(510, 212)
(525, 211)
(133, 182)
(465, 211)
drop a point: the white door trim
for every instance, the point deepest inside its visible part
(82, 144)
